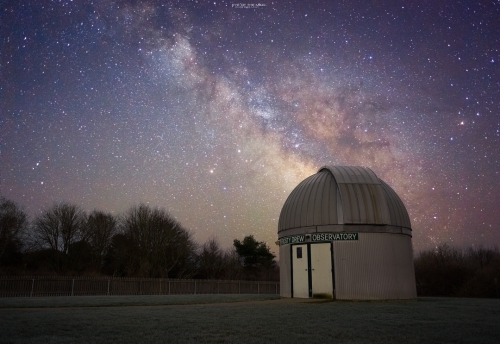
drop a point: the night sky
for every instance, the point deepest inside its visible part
(216, 110)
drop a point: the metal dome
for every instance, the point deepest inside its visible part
(339, 196)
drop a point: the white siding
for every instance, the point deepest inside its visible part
(376, 267)
(285, 271)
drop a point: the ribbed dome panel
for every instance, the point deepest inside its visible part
(312, 203)
(397, 210)
(343, 195)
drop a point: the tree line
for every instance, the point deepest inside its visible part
(449, 271)
(149, 242)
(142, 242)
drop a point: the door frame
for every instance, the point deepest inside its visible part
(309, 270)
(309, 275)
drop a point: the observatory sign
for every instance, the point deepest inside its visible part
(318, 237)
(333, 236)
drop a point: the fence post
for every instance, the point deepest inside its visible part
(109, 281)
(168, 287)
(258, 288)
(72, 286)
(276, 285)
(239, 287)
(140, 287)
(32, 287)
(194, 287)
(218, 289)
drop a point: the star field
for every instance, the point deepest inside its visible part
(216, 112)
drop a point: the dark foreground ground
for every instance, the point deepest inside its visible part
(246, 319)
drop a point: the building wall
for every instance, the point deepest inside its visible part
(376, 267)
(285, 271)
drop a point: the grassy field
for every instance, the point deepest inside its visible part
(245, 319)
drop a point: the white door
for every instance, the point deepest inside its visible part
(321, 269)
(300, 281)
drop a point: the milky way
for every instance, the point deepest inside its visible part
(215, 111)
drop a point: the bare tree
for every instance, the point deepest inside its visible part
(98, 232)
(59, 227)
(448, 271)
(118, 260)
(13, 224)
(211, 262)
(480, 255)
(162, 247)
(233, 269)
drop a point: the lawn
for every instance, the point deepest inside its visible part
(246, 319)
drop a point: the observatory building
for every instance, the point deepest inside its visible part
(344, 233)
